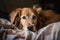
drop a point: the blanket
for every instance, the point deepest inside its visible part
(9, 31)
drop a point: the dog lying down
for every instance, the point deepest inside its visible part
(32, 20)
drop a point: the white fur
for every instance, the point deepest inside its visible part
(29, 33)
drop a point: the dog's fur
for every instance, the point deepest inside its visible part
(31, 18)
(43, 17)
(24, 18)
(47, 17)
(38, 18)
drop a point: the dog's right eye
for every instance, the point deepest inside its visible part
(34, 17)
(24, 17)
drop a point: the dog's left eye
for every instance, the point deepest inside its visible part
(34, 17)
(24, 17)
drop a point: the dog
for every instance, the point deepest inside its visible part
(33, 19)
(25, 18)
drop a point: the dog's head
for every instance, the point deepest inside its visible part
(26, 18)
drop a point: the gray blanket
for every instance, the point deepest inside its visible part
(50, 32)
(9, 32)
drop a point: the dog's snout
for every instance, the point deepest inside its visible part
(30, 27)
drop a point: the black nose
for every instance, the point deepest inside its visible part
(30, 27)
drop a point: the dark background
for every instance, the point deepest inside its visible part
(6, 6)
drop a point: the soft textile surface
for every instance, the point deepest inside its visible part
(50, 32)
(8, 31)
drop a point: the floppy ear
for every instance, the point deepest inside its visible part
(13, 14)
(41, 18)
(15, 17)
(41, 21)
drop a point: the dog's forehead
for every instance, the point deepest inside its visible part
(29, 11)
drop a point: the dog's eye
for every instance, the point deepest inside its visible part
(24, 17)
(34, 17)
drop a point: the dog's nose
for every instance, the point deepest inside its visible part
(30, 27)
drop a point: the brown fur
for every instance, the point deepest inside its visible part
(44, 17)
(17, 16)
(47, 17)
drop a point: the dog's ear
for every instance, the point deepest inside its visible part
(13, 14)
(41, 21)
(41, 18)
(15, 17)
(38, 8)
